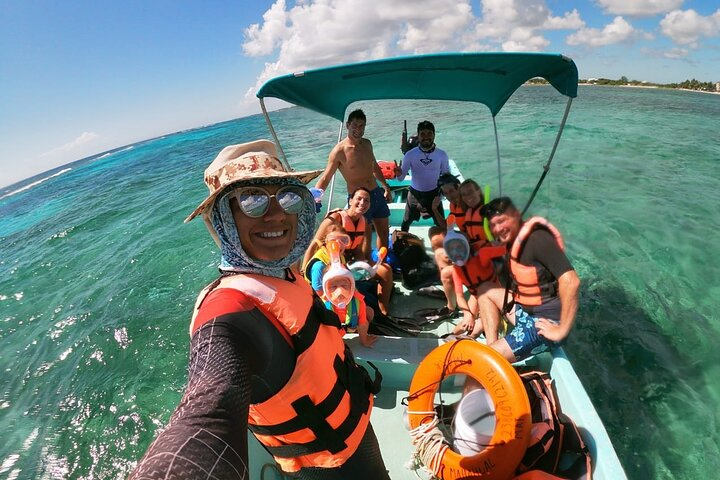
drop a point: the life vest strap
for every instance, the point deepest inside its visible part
(352, 379)
(305, 337)
(325, 408)
(328, 439)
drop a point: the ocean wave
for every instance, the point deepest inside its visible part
(36, 183)
(104, 155)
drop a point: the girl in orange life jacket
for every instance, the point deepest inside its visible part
(353, 220)
(258, 334)
(356, 316)
(478, 274)
(472, 195)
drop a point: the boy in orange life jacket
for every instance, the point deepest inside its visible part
(256, 332)
(544, 284)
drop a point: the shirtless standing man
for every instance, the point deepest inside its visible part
(355, 159)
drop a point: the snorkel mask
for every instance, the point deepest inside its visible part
(338, 283)
(363, 270)
(455, 244)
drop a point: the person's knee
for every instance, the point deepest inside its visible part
(485, 301)
(446, 273)
(494, 296)
(502, 347)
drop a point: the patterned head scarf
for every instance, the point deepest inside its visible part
(234, 258)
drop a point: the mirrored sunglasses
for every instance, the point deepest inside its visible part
(255, 201)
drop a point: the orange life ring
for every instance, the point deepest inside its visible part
(512, 408)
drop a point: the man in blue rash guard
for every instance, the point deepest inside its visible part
(427, 163)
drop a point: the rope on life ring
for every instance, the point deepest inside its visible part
(512, 412)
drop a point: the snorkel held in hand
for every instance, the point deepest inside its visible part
(455, 244)
(338, 283)
(486, 223)
(363, 271)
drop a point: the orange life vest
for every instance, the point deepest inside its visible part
(356, 231)
(315, 420)
(474, 225)
(387, 168)
(479, 267)
(532, 284)
(459, 216)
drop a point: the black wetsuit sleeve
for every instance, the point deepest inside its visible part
(542, 248)
(207, 434)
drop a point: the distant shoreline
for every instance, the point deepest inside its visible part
(650, 86)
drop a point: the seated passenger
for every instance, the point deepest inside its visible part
(353, 221)
(356, 315)
(449, 186)
(543, 283)
(477, 273)
(472, 196)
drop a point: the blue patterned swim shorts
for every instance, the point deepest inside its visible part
(524, 339)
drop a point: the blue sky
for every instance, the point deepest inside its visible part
(81, 77)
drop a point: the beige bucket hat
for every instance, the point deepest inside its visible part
(237, 163)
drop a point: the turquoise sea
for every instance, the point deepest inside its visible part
(98, 273)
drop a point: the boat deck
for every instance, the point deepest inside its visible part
(397, 359)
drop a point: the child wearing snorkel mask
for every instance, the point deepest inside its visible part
(472, 269)
(335, 284)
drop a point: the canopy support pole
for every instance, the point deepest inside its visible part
(283, 158)
(332, 180)
(546, 168)
(497, 153)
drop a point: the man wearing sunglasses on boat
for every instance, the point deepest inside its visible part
(355, 160)
(543, 283)
(265, 354)
(427, 163)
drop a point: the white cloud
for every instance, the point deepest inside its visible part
(677, 53)
(77, 145)
(673, 54)
(570, 21)
(263, 40)
(618, 31)
(685, 27)
(315, 33)
(638, 8)
(517, 25)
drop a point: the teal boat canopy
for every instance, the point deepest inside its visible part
(487, 78)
